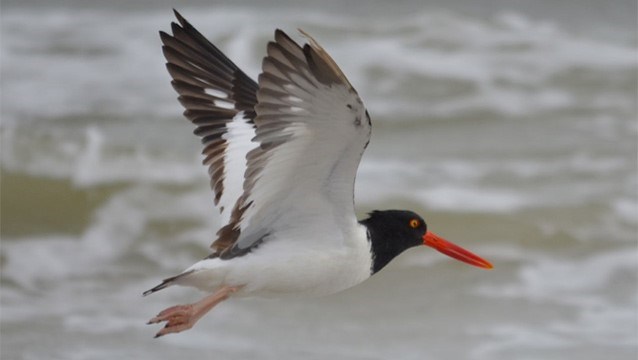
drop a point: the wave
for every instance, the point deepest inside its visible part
(436, 63)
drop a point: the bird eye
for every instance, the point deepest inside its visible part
(414, 223)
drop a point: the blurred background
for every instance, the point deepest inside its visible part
(511, 125)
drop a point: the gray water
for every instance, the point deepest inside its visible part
(510, 125)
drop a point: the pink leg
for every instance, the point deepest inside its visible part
(183, 317)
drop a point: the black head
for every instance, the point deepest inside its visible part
(391, 232)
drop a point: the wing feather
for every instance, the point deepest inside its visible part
(297, 134)
(311, 139)
(219, 99)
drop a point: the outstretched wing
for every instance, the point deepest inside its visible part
(220, 100)
(311, 130)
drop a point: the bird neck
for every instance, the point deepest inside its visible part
(382, 246)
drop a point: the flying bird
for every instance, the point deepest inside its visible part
(282, 154)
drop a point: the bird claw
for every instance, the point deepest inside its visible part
(183, 317)
(178, 318)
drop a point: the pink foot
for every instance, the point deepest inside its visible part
(183, 317)
(178, 318)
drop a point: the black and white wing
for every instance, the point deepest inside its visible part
(279, 152)
(220, 100)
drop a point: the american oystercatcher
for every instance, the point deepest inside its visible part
(282, 155)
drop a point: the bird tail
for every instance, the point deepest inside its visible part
(167, 282)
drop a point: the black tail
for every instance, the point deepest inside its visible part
(165, 283)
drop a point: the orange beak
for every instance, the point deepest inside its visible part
(455, 251)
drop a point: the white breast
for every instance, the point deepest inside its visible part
(297, 263)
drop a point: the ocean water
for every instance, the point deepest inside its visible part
(511, 126)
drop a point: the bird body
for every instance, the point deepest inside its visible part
(282, 155)
(298, 262)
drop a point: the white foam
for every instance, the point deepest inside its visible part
(472, 199)
(72, 66)
(582, 286)
(120, 226)
(626, 209)
(93, 167)
(454, 184)
(509, 63)
(544, 279)
(519, 338)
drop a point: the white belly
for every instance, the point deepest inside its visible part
(285, 267)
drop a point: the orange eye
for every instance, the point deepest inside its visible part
(415, 223)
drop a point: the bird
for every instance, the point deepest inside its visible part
(282, 154)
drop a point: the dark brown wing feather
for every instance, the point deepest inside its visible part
(211, 88)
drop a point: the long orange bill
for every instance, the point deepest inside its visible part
(455, 251)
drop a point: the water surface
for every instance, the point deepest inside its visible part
(511, 128)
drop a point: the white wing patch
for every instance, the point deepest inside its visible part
(238, 136)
